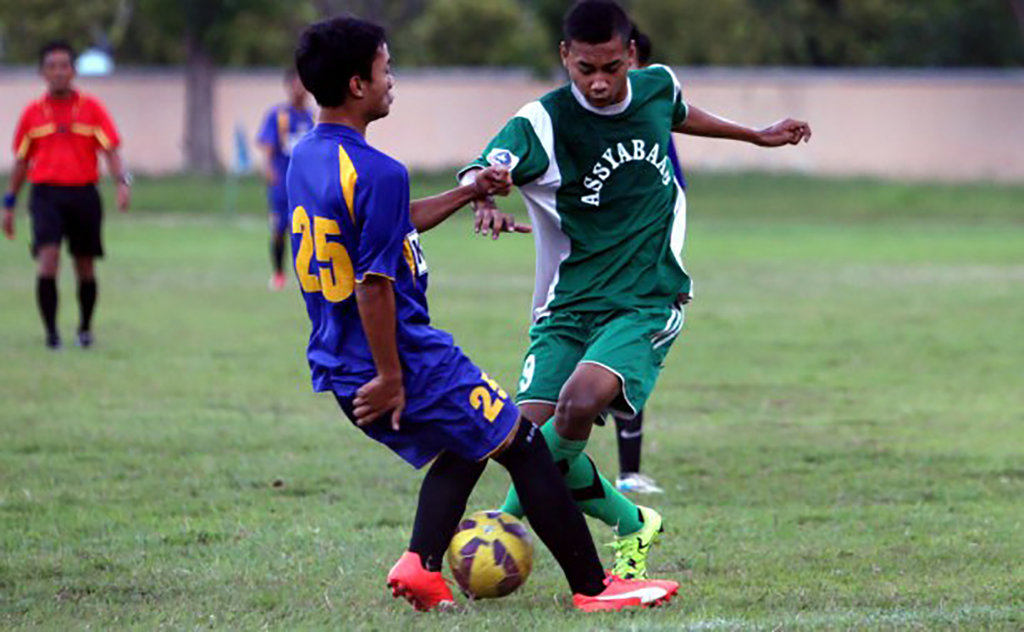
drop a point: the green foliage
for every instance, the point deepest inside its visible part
(26, 26)
(474, 33)
(939, 33)
(833, 32)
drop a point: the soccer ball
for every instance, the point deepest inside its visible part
(491, 554)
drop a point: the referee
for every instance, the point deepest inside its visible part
(55, 146)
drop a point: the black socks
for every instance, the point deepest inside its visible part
(46, 297)
(554, 517)
(551, 510)
(630, 435)
(443, 496)
(277, 253)
(86, 302)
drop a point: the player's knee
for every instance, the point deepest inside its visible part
(85, 269)
(577, 410)
(48, 262)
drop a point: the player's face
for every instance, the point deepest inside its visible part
(58, 71)
(599, 70)
(379, 90)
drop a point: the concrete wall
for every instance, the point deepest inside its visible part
(898, 124)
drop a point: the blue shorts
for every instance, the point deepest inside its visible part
(453, 406)
(277, 201)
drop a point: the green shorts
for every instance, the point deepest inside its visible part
(632, 344)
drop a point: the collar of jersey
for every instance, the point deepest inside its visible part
(73, 98)
(333, 129)
(608, 110)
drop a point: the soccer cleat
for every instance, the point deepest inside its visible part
(637, 483)
(84, 339)
(631, 550)
(277, 282)
(53, 342)
(627, 593)
(424, 589)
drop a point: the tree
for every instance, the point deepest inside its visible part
(203, 34)
(26, 26)
(474, 33)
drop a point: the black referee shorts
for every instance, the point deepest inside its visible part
(74, 212)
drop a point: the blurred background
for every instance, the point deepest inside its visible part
(905, 89)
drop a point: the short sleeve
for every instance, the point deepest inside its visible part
(106, 132)
(517, 147)
(679, 107)
(382, 214)
(268, 130)
(22, 141)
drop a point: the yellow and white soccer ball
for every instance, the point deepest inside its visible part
(491, 554)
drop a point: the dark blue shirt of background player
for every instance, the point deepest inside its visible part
(349, 219)
(673, 158)
(281, 130)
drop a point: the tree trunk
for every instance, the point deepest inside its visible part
(200, 141)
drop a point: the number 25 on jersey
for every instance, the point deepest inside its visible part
(335, 278)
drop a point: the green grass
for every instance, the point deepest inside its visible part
(840, 427)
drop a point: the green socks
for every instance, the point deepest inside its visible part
(594, 495)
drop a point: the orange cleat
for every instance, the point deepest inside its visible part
(627, 593)
(424, 589)
(277, 282)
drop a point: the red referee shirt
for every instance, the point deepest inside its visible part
(60, 137)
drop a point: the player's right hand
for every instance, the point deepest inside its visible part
(378, 396)
(493, 180)
(8, 223)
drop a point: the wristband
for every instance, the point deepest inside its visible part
(10, 199)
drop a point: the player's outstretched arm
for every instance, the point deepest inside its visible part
(375, 299)
(10, 197)
(784, 132)
(429, 212)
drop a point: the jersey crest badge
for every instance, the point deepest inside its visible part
(499, 157)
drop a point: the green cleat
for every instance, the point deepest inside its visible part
(631, 550)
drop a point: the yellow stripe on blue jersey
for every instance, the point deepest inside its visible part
(348, 176)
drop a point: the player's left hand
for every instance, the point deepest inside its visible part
(487, 218)
(784, 132)
(493, 181)
(124, 196)
(378, 396)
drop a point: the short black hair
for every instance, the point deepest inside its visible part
(333, 51)
(56, 45)
(643, 46)
(596, 22)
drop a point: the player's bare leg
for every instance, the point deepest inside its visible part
(85, 271)
(47, 267)
(537, 412)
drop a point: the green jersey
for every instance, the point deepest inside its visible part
(608, 217)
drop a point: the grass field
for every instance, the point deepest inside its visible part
(840, 428)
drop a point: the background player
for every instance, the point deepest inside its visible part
(283, 126)
(609, 220)
(363, 277)
(55, 146)
(629, 431)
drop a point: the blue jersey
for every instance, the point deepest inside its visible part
(677, 169)
(349, 219)
(281, 130)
